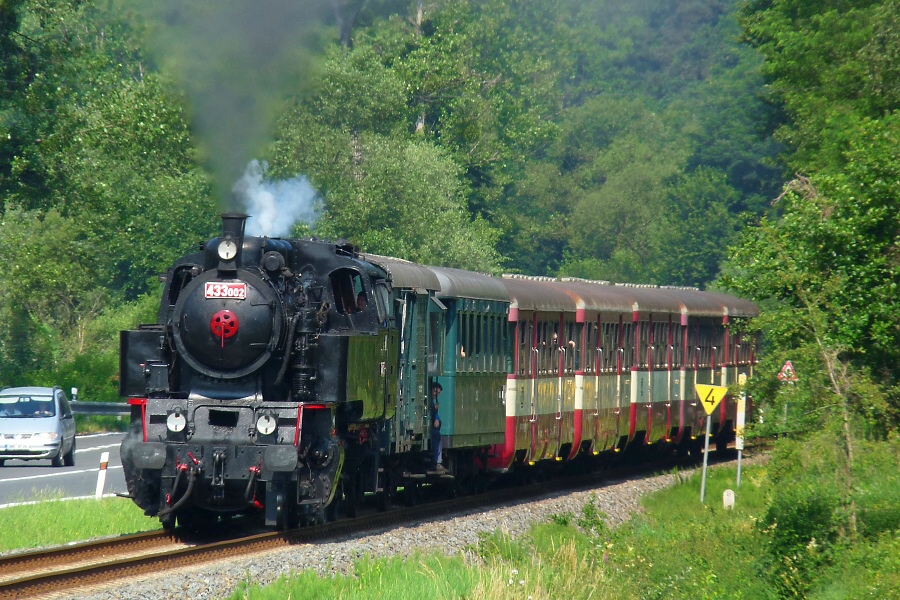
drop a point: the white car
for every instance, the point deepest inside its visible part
(36, 423)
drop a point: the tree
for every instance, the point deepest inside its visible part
(828, 272)
(828, 66)
(701, 222)
(99, 139)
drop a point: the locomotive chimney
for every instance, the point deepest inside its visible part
(232, 241)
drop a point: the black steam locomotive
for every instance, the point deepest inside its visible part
(289, 378)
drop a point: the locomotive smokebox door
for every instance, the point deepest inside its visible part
(227, 328)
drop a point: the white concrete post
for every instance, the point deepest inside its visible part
(101, 475)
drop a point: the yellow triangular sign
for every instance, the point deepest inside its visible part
(710, 396)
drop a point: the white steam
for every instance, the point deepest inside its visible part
(274, 206)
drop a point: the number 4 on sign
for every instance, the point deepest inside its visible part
(710, 396)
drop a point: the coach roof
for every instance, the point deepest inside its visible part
(405, 274)
(456, 283)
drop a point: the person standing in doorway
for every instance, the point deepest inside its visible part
(436, 445)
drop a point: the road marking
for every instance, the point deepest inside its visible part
(57, 474)
(80, 450)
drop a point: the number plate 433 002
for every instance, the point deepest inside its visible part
(223, 290)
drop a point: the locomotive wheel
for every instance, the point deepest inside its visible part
(280, 510)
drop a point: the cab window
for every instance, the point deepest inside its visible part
(348, 291)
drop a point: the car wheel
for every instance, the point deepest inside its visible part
(2, 461)
(57, 461)
(69, 458)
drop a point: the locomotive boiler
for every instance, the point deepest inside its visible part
(290, 378)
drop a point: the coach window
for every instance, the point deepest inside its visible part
(541, 347)
(588, 359)
(644, 331)
(499, 345)
(571, 349)
(707, 335)
(475, 343)
(627, 345)
(485, 343)
(435, 343)
(490, 342)
(660, 344)
(462, 341)
(460, 330)
(505, 344)
(547, 348)
(524, 366)
(677, 346)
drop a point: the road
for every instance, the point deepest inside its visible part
(27, 481)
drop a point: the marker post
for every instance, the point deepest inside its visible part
(705, 458)
(101, 475)
(741, 422)
(710, 396)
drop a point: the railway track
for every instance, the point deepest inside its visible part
(90, 565)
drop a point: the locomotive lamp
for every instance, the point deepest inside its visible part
(227, 249)
(266, 424)
(176, 421)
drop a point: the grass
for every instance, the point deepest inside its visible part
(678, 548)
(53, 522)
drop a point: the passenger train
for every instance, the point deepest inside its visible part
(289, 378)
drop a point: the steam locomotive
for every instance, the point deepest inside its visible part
(289, 378)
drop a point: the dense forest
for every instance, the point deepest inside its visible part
(747, 146)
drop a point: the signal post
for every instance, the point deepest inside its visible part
(710, 396)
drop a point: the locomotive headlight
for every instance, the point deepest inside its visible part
(176, 421)
(227, 249)
(266, 424)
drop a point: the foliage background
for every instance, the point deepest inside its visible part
(741, 145)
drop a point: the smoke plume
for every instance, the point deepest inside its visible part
(238, 61)
(274, 206)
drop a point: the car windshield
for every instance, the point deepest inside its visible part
(27, 406)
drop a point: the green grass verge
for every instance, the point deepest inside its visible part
(777, 542)
(53, 522)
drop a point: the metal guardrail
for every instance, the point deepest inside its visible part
(100, 408)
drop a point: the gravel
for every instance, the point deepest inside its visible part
(451, 535)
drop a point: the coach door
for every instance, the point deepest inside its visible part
(411, 418)
(436, 313)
